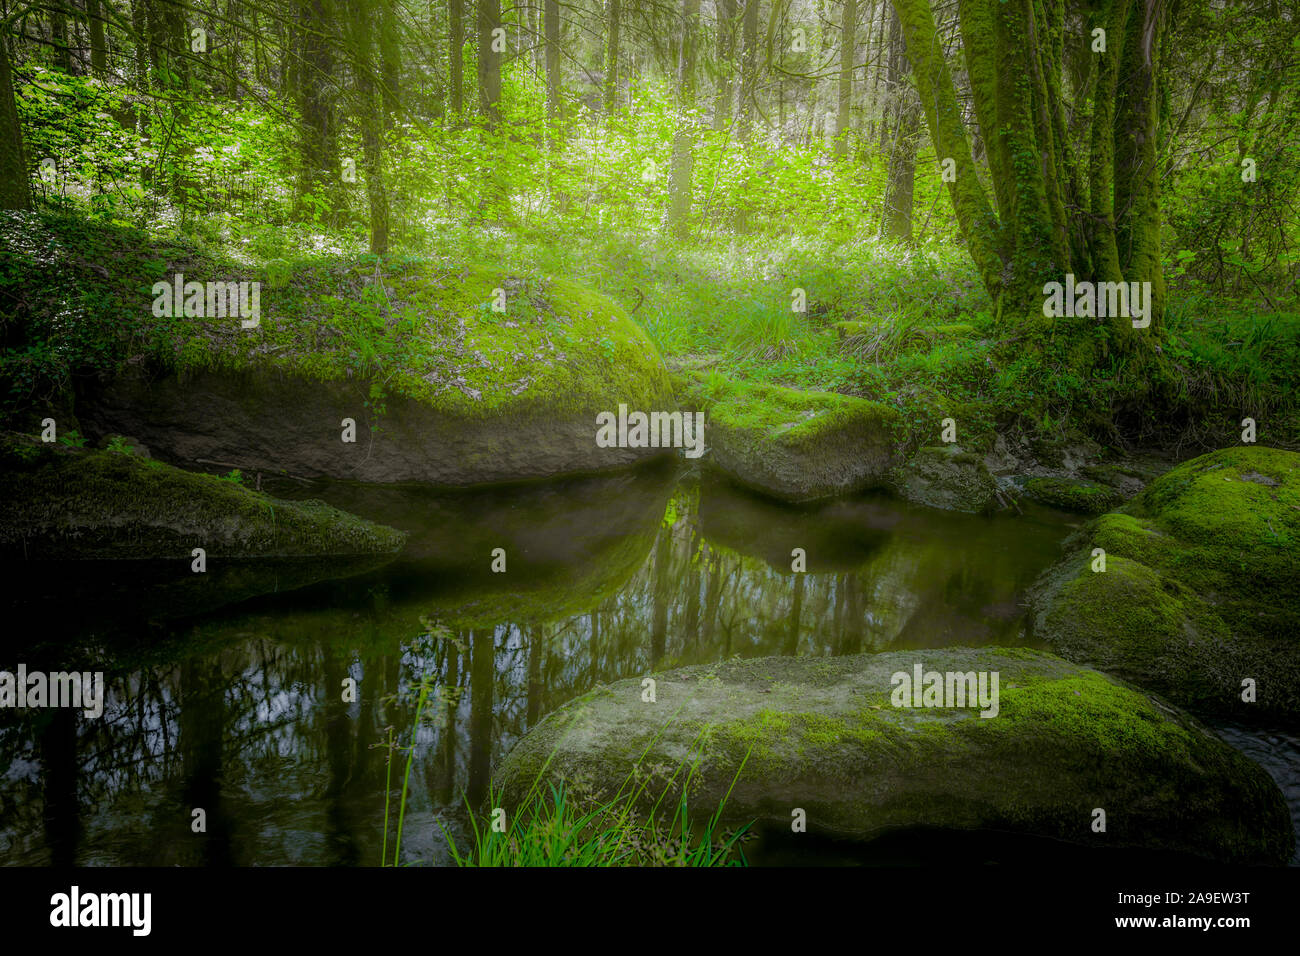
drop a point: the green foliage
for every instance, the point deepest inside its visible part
(551, 831)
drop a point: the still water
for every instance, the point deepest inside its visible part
(239, 710)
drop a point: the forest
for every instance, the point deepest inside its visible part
(646, 432)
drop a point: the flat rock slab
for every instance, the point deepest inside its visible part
(778, 733)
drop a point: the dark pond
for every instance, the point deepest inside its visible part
(239, 710)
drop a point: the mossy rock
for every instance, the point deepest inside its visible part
(1201, 589)
(61, 503)
(946, 477)
(790, 444)
(1084, 497)
(442, 388)
(775, 733)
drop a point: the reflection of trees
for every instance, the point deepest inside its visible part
(247, 720)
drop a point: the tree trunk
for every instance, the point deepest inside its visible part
(1047, 223)
(748, 70)
(848, 46)
(390, 52)
(95, 26)
(455, 55)
(489, 62)
(370, 118)
(14, 191)
(59, 40)
(552, 27)
(897, 221)
(611, 54)
(683, 160)
(318, 175)
(726, 13)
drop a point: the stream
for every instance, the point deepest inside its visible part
(239, 710)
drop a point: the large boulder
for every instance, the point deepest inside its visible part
(790, 444)
(1200, 596)
(442, 388)
(773, 734)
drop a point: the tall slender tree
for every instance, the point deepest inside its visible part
(489, 60)
(899, 186)
(683, 159)
(611, 53)
(848, 49)
(455, 55)
(15, 192)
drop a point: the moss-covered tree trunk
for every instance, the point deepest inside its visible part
(98, 46)
(14, 193)
(1058, 206)
(896, 222)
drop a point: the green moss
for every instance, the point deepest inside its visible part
(791, 444)
(430, 333)
(786, 415)
(1227, 525)
(1084, 497)
(1201, 588)
(74, 503)
(1240, 499)
(1136, 621)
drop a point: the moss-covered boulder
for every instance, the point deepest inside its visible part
(442, 387)
(1200, 596)
(946, 477)
(64, 503)
(1068, 494)
(792, 445)
(822, 734)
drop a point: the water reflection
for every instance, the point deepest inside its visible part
(240, 712)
